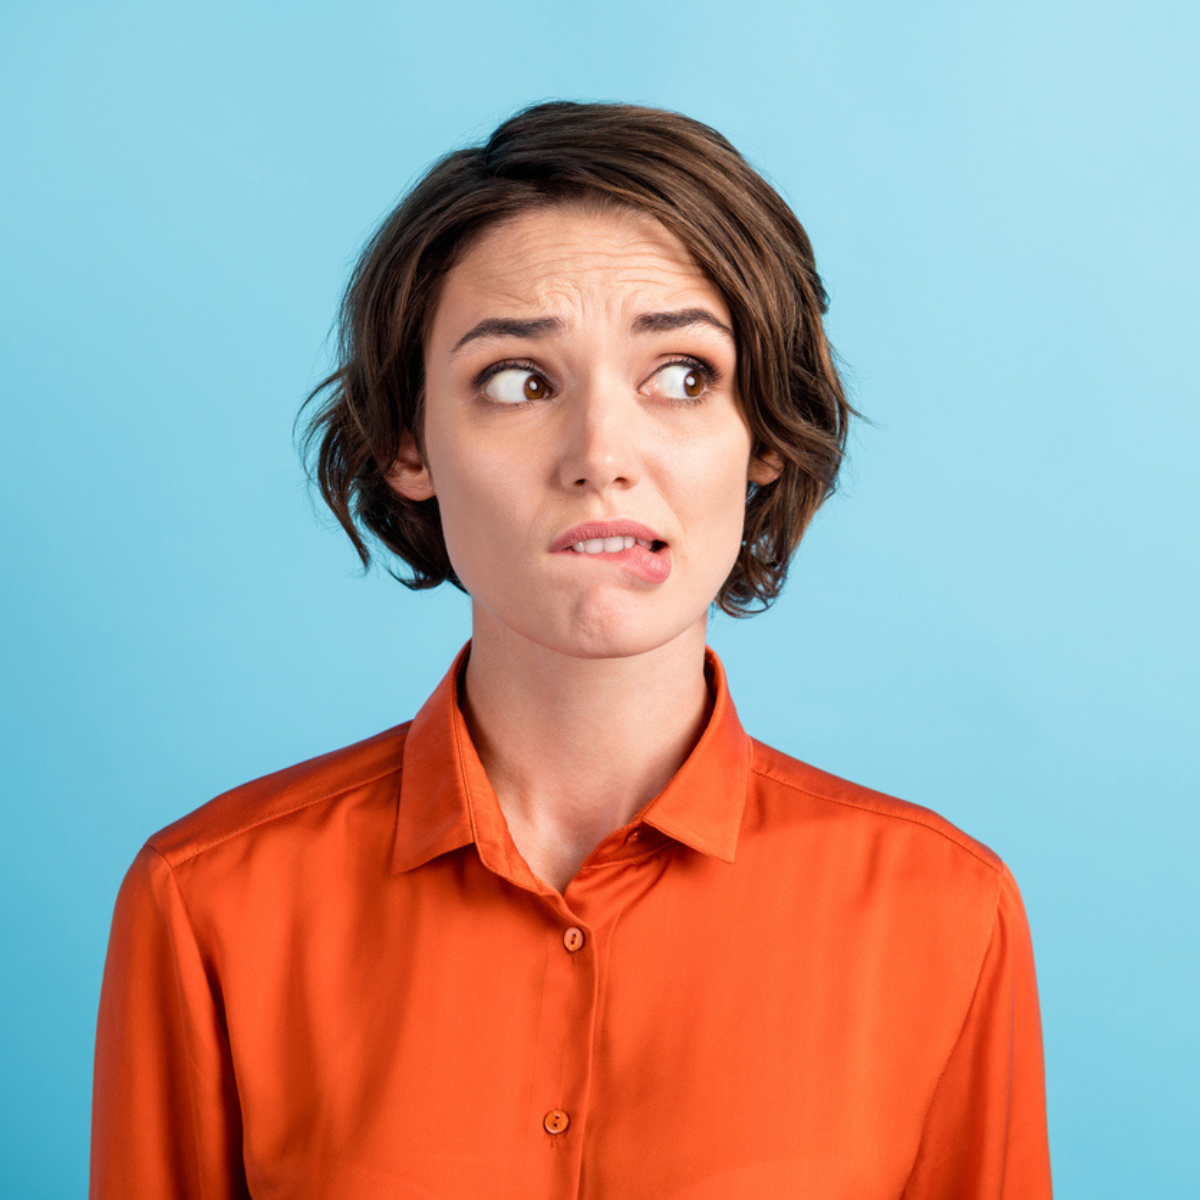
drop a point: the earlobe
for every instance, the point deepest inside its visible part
(408, 476)
(765, 468)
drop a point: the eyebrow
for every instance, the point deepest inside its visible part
(659, 322)
(535, 327)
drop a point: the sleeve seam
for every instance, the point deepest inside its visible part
(193, 1068)
(957, 1038)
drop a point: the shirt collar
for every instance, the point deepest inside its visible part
(446, 800)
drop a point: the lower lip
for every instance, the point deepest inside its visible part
(653, 567)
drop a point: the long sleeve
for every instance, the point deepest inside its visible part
(165, 1121)
(985, 1133)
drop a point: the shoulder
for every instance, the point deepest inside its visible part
(274, 798)
(880, 868)
(853, 802)
(868, 842)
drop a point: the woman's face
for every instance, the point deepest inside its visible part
(580, 371)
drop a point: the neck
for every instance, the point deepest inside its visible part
(574, 747)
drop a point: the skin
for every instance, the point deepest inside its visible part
(584, 691)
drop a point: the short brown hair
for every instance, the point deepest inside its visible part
(739, 230)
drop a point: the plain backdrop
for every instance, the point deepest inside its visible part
(995, 617)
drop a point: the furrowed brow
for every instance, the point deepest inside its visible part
(660, 322)
(492, 327)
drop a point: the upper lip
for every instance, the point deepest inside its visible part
(603, 529)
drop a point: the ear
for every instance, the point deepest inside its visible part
(765, 468)
(408, 476)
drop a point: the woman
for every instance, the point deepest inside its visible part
(570, 931)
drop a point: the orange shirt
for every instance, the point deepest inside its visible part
(343, 981)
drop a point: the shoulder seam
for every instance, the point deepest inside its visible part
(287, 812)
(912, 820)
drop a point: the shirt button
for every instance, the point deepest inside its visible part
(556, 1121)
(573, 939)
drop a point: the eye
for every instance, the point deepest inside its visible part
(515, 385)
(684, 382)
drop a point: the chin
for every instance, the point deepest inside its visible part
(621, 631)
(604, 623)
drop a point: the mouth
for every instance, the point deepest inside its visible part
(614, 545)
(635, 547)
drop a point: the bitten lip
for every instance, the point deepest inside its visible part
(603, 529)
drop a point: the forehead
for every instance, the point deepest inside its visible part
(556, 258)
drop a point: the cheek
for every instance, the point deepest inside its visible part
(478, 515)
(715, 487)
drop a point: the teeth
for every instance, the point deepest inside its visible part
(611, 545)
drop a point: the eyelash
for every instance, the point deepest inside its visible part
(709, 373)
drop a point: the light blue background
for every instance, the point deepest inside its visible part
(996, 617)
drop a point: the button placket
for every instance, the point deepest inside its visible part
(563, 1063)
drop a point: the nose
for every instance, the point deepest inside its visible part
(599, 446)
